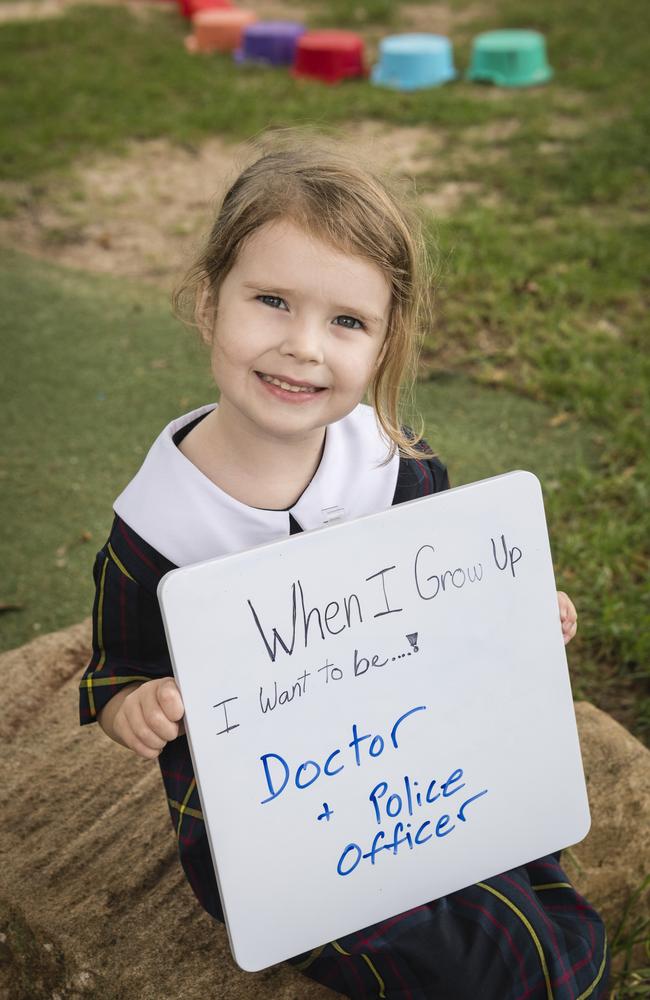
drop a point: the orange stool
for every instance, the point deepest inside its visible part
(218, 30)
(329, 56)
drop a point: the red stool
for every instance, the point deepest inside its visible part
(329, 56)
(189, 7)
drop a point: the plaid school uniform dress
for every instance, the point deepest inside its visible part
(523, 935)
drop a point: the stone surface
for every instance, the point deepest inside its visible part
(93, 902)
(612, 860)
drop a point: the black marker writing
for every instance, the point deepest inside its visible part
(388, 610)
(429, 587)
(336, 616)
(222, 704)
(510, 556)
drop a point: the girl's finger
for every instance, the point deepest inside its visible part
(160, 725)
(170, 701)
(568, 633)
(140, 730)
(144, 751)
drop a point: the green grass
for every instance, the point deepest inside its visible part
(630, 947)
(559, 316)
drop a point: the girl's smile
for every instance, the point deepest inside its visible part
(299, 329)
(288, 387)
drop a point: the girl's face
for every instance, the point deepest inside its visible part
(298, 332)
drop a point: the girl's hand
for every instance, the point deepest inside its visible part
(568, 616)
(149, 717)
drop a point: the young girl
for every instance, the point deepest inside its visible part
(308, 294)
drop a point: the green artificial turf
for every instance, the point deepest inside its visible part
(95, 367)
(92, 370)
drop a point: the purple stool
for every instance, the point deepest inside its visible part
(270, 42)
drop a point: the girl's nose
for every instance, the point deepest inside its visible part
(304, 342)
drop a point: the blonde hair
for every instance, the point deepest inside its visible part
(321, 187)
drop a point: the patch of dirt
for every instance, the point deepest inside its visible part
(447, 198)
(563, 127)
(31, 10)
(549, 148)
(38, 10)
(569, 100)
(133, 215)
(438, 18)
(491, 132)
(276, 10)
(143, 214)
(407, 150)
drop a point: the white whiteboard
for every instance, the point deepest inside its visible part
(417, 671)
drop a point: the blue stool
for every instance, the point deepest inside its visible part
(413, 62)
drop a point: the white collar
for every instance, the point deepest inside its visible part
(188, 519)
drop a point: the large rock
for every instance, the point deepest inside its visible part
(93, 901)
(612, 861)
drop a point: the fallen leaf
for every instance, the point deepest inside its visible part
(8, 606)
(559, 419)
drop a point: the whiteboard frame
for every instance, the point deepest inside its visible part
(256, 955)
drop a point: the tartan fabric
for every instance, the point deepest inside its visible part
(523, 934)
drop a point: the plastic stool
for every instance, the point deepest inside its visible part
(413, 62)
(510, 59)
(189, 7)
(218, 30)
(270, 42)
(329, 56)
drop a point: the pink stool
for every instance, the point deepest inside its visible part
(189, 7)
(329, 56)
(218, 30)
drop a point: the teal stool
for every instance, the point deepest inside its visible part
(510, 59)
(413, 62)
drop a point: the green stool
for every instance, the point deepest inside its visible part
(510, 59)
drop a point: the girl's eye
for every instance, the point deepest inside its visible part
(349, 322)
(272, 300)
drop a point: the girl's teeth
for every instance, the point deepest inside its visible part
(285, 385)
